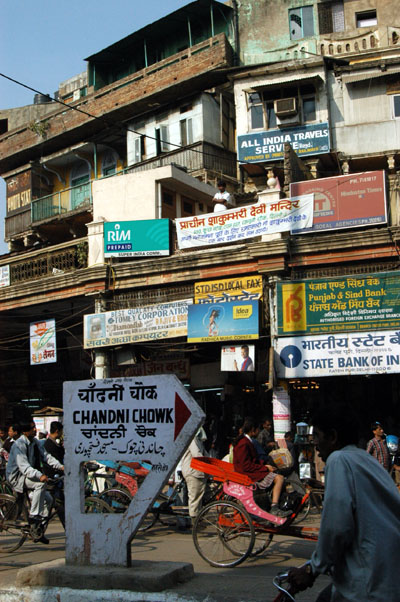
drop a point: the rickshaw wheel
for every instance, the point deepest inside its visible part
(223, 534)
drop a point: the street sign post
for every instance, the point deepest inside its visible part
(151, 418)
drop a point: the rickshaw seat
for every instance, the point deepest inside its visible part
(220, 470)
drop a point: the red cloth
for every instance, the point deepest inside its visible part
(245, 460)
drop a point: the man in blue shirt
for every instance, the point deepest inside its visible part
(359, 538)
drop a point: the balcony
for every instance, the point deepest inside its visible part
(196, 157)
(70, 199)
(371, 39)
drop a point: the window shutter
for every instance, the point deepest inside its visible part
(165, 147)
(189, 131)
(137, 153)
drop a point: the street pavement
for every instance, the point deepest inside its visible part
(249, 582)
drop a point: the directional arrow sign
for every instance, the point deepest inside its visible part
(149, 418)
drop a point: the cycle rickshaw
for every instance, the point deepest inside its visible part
(228, 529)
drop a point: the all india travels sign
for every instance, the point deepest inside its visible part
(312, 139)
(245, 222)
(368, 302)
(153, 322)
(351, 354)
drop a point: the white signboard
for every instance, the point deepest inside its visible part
(238, 358)
(245, 222)
(150, 418)
(43, 342)
(354, 353)
(281, 411)
(150, 323)
(4, 275)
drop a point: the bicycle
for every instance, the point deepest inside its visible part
(285, 594)
(316, 490)
(14, 524)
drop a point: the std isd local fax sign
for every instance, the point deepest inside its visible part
(269, 146)
(141, 238)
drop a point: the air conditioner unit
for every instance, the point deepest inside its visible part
(288, 121)
(285, 107)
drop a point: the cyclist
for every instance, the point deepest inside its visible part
(24, 471)
(359, 538)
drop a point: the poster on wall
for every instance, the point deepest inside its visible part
(368, 302)
(345, 354)
(243, 288)
(350, 201)
(281, 410)
(238, 358)
(233, 321)
(4, 275)
(150, 323)
(245, 222)
(43, 342)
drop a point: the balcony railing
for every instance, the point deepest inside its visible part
(64, 201)
(197, 156)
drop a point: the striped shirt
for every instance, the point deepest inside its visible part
(378, 449)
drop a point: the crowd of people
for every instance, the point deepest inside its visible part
(28, 462)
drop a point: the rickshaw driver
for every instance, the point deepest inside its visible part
(246, 462)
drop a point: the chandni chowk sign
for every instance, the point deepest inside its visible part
(352, 303)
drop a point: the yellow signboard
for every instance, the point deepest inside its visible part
(294, 307)
(245, 288)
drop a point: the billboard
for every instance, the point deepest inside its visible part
(368, 302)
(312, 139)
(238, 358)
(243, 288)
(245, 222)
(345, 354)
(140, 238)
(232, 321)
(350, 201)
(150, 323)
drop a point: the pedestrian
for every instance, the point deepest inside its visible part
(3, 435)
(359, 536)
(222, 199)
(24, 471)
(195, 480)
(54, 447)
(377, 446)
(265, 436)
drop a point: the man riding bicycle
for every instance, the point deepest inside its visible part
(24, 471)
(359, 537)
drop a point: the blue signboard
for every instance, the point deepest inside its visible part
(141, 238)
(212, 322)
(305, 140)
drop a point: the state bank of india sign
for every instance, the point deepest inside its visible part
(312, 139)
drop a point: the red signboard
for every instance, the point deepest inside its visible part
(350, 201)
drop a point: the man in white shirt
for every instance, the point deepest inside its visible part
(222, 200)
(195, 480)
(359, 537)
(24, 470)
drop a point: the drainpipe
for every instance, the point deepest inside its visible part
(236, 59)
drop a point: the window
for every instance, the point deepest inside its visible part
(139, 149)
(331, 17)
(186, 131)
(162, 139)
(3, 126)
(396, 105)
(301, 22)
(261, 106)
(366, 18)
(109, 164)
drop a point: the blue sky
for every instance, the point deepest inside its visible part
(44, 42)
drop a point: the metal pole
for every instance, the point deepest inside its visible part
(101, 356)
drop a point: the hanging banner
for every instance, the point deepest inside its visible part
(247, 222)
(366, 302)
(246, 288)
(222, 322)
(43, 342)
(281, 411)
(167, 320)
(350, 354)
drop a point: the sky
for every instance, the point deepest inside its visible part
(44, 42)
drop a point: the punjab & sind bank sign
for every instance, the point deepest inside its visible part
(305, 140)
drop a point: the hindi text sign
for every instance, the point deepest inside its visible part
(150, 418)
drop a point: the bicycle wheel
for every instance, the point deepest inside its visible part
(118, 499)
(93, 504)
(12, 535)
(5, 487)
(223, 534)
(153, 514)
